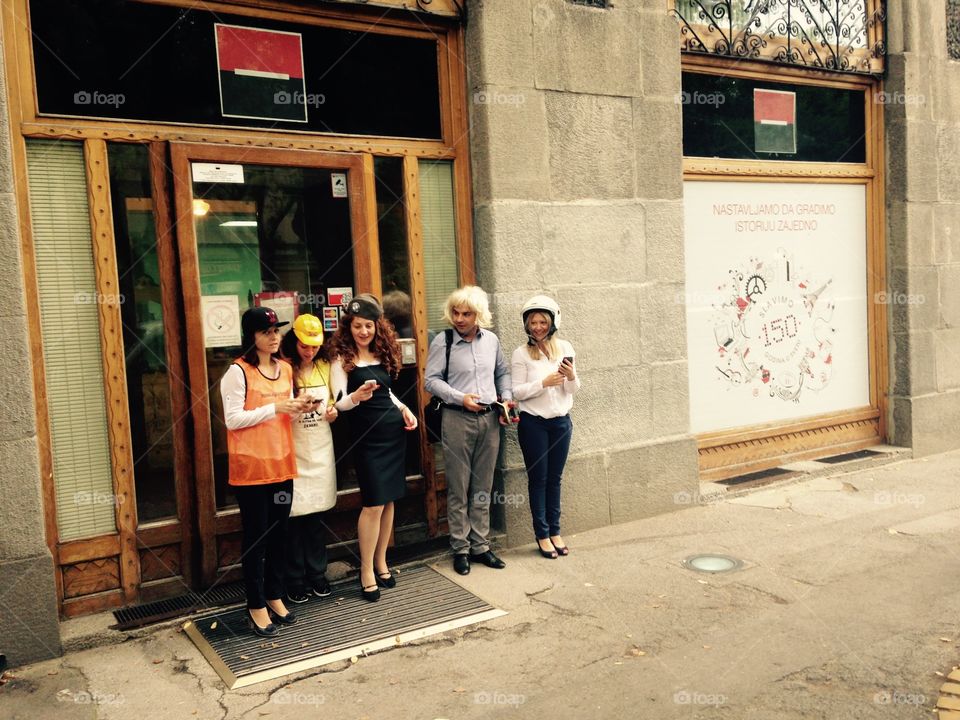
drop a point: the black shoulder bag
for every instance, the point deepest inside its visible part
(433, 410)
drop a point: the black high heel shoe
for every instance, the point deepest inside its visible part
(288, 619)
(269, 631)
(385, 582)
(370, 595)
(548, 554)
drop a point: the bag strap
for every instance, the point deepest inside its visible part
(446, 363)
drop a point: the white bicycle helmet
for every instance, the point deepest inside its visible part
(544, 304)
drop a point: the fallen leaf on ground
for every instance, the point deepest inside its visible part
(304, 643)
(459, 690)
(707, 647)
(588, 584)
(157, 662)
(946, 639)
(703, 582)
(213, 625)
(634, 651)
(849, 487)
(354, 659)
(244, 657)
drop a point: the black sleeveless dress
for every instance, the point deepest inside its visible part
(378, 438)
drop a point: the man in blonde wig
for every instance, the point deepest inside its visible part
(478, 374)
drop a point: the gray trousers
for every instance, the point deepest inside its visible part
(471, 444)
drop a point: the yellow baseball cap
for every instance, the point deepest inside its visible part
(308, 329)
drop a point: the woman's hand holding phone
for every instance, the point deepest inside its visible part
(364, 392)
(566, 369)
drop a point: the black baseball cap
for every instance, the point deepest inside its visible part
(260, 319)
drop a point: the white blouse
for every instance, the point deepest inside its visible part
(528, 389)
(338, 384)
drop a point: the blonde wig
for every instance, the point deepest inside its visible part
(472, 298)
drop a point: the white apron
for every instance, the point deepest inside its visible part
(315, 487)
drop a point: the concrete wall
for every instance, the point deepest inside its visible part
(575, 136)
(922, 116)
(29, 628)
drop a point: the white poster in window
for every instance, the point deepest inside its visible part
(776, 299)
(221, 320)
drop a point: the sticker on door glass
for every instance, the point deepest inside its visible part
(338, 181)
(217, 173)
(221, 320)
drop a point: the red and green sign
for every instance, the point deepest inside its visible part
(261, 73)
(775, 121)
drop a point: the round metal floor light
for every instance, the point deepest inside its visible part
(712, 563)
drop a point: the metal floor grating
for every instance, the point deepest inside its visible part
(846, 457)
(423, 603)
(758, 478)
(151, 612)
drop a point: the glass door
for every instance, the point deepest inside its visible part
(277, 228)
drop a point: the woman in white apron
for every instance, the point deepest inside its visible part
(315, 487)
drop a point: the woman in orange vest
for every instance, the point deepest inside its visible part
(258, 402)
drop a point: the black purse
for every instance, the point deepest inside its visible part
(433, 410)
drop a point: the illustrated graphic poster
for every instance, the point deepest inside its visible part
(776, 301)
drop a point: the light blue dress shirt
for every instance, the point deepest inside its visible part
(477, 367)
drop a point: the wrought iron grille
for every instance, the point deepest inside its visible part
(840, 35)
(953, 28)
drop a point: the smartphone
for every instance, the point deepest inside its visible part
(370, 382)
(568, 359)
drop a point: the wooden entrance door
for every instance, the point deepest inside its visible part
(280, 228)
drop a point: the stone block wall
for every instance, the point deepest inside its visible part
(29, 626)
(922, 117)
(576, 150)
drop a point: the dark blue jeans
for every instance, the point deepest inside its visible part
(545, 443)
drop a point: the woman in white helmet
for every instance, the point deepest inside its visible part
(544, 383)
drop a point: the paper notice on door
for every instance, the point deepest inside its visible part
(338, 181)
(221, 320)
(217, 173)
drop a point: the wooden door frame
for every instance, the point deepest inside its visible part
(209, 521)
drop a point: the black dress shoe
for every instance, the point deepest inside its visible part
(269, 631)
(370, 593)
(461, 563)
(488, 559)
(288, 619)
(386, 582)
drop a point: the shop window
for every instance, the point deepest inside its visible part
(70, 329)
(728, 117)
(106, 59)
(440, 260)
(148, 378)
(953, 28)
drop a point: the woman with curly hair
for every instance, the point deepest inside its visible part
(367, 360)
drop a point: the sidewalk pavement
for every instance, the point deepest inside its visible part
(847, 607)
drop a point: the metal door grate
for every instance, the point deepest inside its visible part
(846, 457)
(151, 612)
(423, 603)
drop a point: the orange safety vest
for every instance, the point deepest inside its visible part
(263, 453)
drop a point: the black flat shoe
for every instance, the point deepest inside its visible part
(489, 559)
(386, 582)
(371, 595)
(269, 631)
(461, 563)
(548, 554)
(288, 619)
